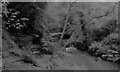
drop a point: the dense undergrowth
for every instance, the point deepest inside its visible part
(33, 28)
(20, 23)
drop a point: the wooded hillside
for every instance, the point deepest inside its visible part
(36, 29)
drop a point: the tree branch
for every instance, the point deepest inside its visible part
(66, 22)
(90, 21)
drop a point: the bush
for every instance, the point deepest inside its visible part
(81, 46)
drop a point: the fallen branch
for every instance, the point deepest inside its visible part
(54, 34)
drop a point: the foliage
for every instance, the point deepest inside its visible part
(51, 27)
(21, 26)
(107, 49)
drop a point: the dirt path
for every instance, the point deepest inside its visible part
(80, 61)
(70, 61)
